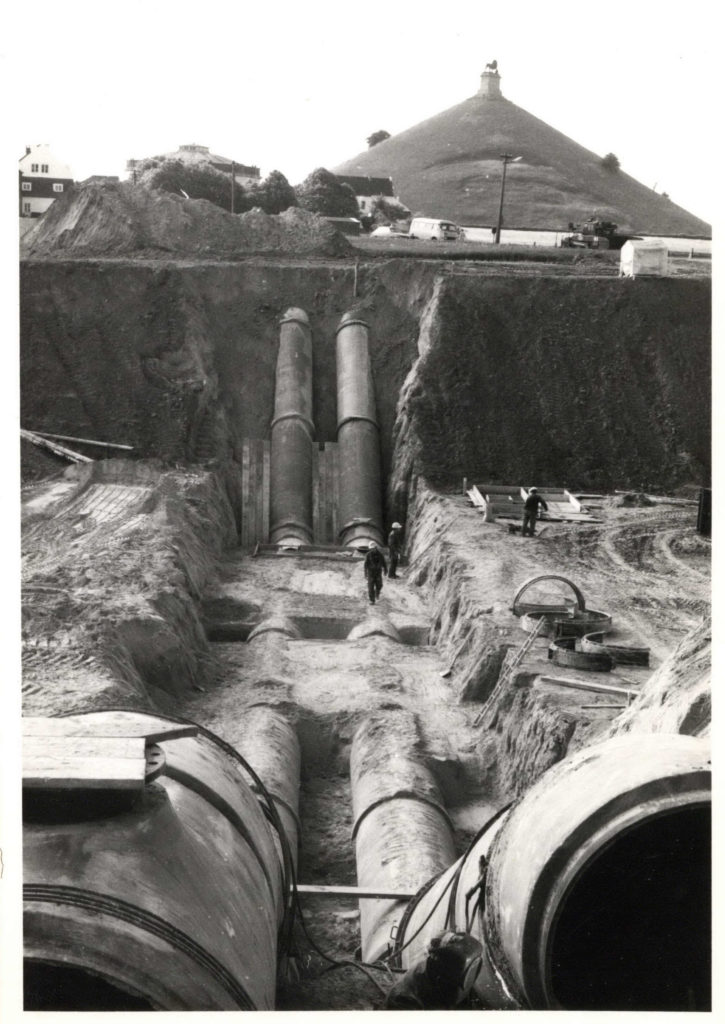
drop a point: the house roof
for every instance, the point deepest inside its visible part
(450, 166)
(365, 185)
(193, 153)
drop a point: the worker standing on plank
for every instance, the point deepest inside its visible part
(531, 508)
(395, 547)
(374, 567)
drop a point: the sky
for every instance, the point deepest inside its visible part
(293, 86)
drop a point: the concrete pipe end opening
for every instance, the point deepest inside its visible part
(67, 987)
(632, 930)
(598, 888)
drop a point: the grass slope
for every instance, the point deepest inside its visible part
(450, 166)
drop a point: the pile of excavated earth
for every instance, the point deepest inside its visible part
(122, 219)
(143, 587)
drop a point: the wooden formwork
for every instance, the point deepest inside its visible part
(256, 493)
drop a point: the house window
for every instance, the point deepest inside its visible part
(27, 186)
(44, 168)
(26, 207)
(57, 187)
(34, 168)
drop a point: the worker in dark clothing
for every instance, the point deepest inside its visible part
(531, 509)
(374, 567)
(395, 547)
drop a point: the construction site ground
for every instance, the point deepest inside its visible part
(642, 562)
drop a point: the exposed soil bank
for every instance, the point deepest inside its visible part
(116, 556)
(471, 572)
(179, 360)
(587, 383)
(106, 219)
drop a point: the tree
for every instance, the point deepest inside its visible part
(274, 194)
(610, 162)
(387, 211)
(197, 181)
(376, 137)
(321, 192)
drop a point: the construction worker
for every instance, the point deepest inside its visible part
(395, 547)
(531, 509)
(374, 567)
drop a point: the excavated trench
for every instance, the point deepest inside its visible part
(395, 738)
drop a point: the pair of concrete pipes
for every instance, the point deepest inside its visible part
(358, 437)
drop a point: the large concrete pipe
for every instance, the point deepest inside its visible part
(292, 433)
(172, 902)
(596, 885)
(358, 438)
(269, 743)
(279, 624)
(402, 833)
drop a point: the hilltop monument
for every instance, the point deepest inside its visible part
(450, 166)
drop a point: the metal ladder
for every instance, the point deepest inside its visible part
(508, 670)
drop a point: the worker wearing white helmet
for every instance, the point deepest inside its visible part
(374, 567)
(531, 509)
(395, 547)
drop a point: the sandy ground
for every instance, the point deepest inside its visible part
(644, 565)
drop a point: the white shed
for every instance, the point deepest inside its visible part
(643, 256)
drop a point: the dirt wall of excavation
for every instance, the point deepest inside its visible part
(179, 360)
(588, 383)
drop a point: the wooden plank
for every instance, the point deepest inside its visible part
(331, 493)
(108, 723)
(253, 538)
(57, 449)
(245, 494)
(83, 762)
(259, 497)
(266, 452)
(327, 494)
(334, 487)
(317, 463)
(252, 497)
(61, 747)
(584, 684)
(353, 891)
(85, 440)
(80, 773)
(577, 505)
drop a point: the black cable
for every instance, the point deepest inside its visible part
(399, 949)
(451, 914)
(453, 880)
(360, 966)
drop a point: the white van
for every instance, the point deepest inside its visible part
(435, 230)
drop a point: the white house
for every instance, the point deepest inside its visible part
(43, 178)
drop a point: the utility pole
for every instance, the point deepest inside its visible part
(507, 158)
(232, 203)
